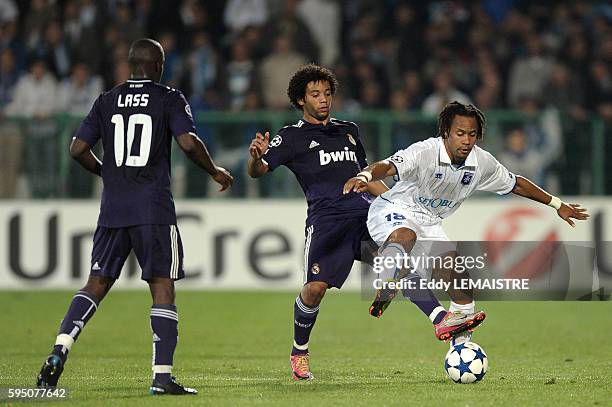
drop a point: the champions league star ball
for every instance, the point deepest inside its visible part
(466, 363)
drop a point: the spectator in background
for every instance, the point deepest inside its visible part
(542, 125)
(409, 31)
(35, 99)
(413, 86)
(9, 38)
(370, 96)
(9, 14)
(529, 74)
(82, 32)
(77, 93)
(289, 24)
(239, 14)
(521, 156)
(398, 101)
(9, 75)
(276, 70)
(124, 23)
(121, 73)
(76, 96)
(362, 72)
(600, 98)
(600, 92)
(487, 92)
(173, 67)
(143, 15)
(240, 75)
(41, 14)
(401, 134)
(194, 20)
(115, 55)
(565, 93)
(54, 50)
(254, 40)
(444, 93)
(324, 21)
(35, 93)
(11, 137)
(252, 101)
(539, 137)
(202, 64)
(8, 11)
(575, 54)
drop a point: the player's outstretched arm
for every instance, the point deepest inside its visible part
(377, 188)
(259, 145)
(373, 172)
(197, 152)
(81, 151)
(567, 212)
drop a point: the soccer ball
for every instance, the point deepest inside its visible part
(466, 363)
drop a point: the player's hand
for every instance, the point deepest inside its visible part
(355, 184)
(259, 145)
(223, 178)
(567, 212)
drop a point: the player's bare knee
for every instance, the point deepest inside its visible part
(98, 286)
(404, 236)
(313, 293)
(162, 290)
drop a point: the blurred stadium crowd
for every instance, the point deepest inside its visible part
(550, 59)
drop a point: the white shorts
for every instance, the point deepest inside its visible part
(384, 217)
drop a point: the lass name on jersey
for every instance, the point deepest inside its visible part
(137, 100)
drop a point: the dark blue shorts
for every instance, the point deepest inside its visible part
(331, 247)
(158, 249)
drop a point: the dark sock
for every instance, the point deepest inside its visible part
(426, 301)
(164, 324)
(304, 318)
(81, 309)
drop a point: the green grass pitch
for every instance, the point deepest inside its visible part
(234, 348)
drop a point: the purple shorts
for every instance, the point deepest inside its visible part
(331, 247)
(158, 249)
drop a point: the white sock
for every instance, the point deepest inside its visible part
(463, 337)
(464, 308)
(466, 336)
(388, 268)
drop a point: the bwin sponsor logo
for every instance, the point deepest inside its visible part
(346, 155)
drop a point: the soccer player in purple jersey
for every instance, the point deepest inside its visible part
(322, 152)
(136, 122)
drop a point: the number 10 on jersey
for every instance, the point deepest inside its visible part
(142, 158)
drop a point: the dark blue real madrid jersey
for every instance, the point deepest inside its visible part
(323, 158)
(136, 122)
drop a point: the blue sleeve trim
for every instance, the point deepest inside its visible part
(511, 189)
(396, 177)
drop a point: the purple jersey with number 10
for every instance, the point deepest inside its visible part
(136, 122)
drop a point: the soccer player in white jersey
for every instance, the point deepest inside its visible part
(433, 178)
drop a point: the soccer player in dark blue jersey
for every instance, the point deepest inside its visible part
(321, 152)
(136, 122)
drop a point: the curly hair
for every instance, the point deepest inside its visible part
(446, 116)
(303, 76)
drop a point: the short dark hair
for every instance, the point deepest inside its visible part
(143, 52)
(306, 74)
(446, 116)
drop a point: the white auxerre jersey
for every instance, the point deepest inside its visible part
(432, 188)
